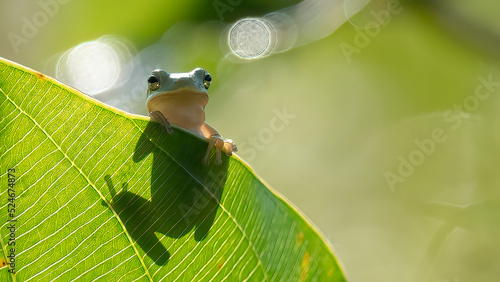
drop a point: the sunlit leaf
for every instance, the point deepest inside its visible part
(103, 194)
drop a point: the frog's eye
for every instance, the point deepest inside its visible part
(153, 82)
(207, 80)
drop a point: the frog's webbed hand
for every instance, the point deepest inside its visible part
(215, 140)
(218, 142)
(162, 120)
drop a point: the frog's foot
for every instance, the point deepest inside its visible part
(162, 120)
(230, 147)
(216, 141)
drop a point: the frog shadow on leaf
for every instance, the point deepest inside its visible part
(185, 193)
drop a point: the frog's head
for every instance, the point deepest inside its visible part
(190, 86)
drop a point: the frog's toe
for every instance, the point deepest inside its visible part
(218, 158)
(162, 120)
(168, 128)
(211, 144)
(214, 141)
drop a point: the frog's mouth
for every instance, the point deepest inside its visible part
(183, 95)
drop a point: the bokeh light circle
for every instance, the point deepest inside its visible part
(95, 66)
(251, 38)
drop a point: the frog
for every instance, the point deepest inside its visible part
(180, 99)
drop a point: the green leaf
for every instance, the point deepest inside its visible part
(103, 194)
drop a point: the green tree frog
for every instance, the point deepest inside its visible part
(180, 99)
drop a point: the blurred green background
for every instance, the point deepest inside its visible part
(390, 146)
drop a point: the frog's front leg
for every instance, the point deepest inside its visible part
(162, 120)
(216, 140)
